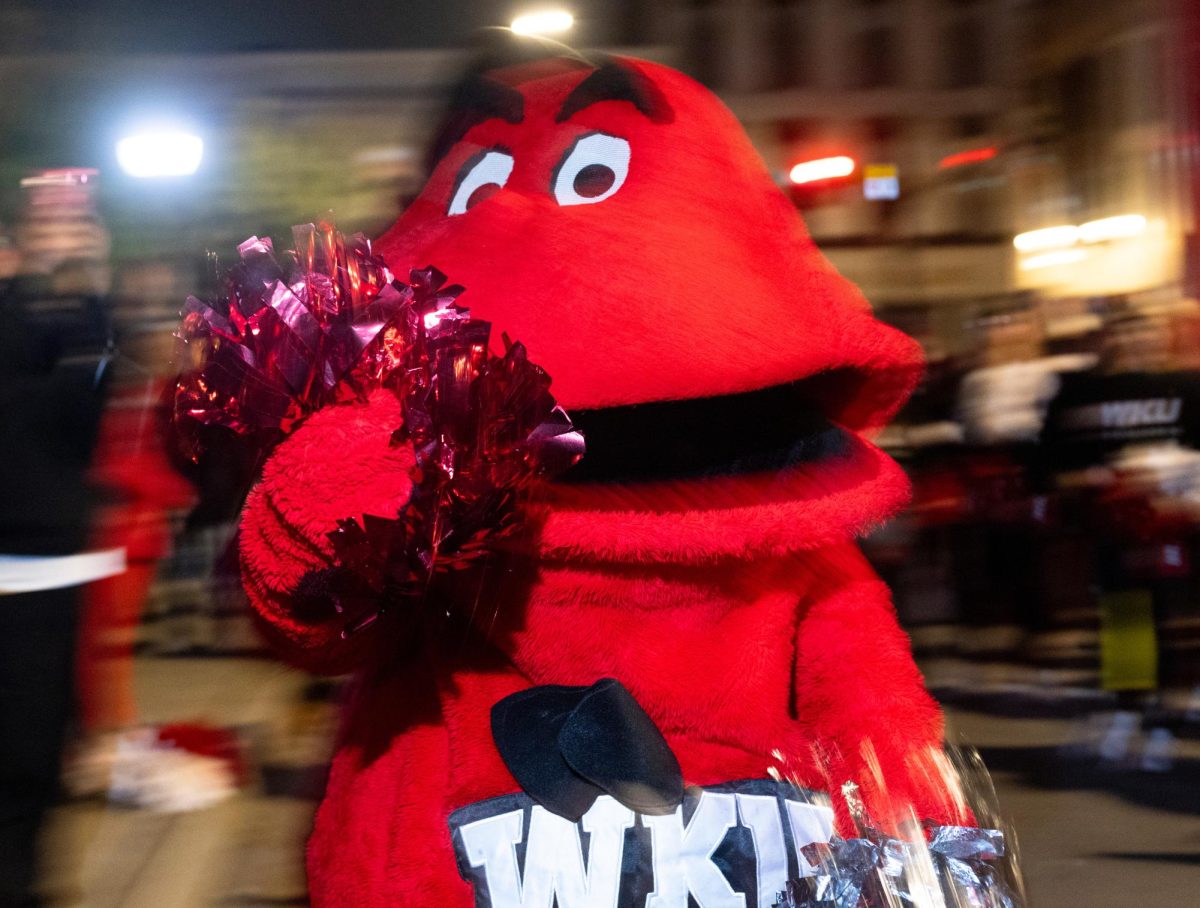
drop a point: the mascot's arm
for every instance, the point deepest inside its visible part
(860, 692)
(338, 464)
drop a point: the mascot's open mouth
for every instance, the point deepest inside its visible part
(770, 429)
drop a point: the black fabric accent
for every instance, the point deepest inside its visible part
(769, 429)
(526, 726)
(614, 81)
(54, 352)
(37, 649)
(1094, 414)
(567, 745)
(494, 49)
(611, 741)
(476, 100)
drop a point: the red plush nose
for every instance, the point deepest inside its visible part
(695, 278)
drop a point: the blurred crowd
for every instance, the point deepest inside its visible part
(1051, 548)
(91, 504)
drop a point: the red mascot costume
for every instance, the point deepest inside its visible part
(692, 638)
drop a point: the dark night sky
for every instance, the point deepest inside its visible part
(208, 26)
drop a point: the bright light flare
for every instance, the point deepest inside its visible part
(163, 152)
(1047, 238)
(821, 169)
(1120, 227)
(1053, 259)
(543, 22)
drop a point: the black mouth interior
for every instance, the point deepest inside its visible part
(756, 431)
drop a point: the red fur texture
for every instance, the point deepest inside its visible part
(736, 610)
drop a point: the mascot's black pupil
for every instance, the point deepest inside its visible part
(594, 180)
(486, 191)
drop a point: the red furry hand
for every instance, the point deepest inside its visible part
(339, 464)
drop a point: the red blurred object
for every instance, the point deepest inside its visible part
(131, 464)
(207, 741)
(970, 156)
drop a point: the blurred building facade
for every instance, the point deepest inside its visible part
(994, 116)
(908, 84)
(1104, 138)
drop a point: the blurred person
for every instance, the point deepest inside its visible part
(1003, 404)
(10, 259)
(182, 765)
(1125, 441)
(61, 223)
(54, 352)
(1004, 399)
(141, 487)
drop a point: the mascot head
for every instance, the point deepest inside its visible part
(615, 218)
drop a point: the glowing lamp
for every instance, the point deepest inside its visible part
(1120, 227)
(1047, 238)
(821, 169)
(544, 22)
(157, 153)
(1053, 259)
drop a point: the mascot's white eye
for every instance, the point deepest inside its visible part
(480, 177)
(593, 169)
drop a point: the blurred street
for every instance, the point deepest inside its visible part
(246, 850)
(1090, 834)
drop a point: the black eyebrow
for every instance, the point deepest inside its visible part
(613, 81)
(477, 99)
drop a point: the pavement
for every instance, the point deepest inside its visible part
(244, 851)
(1089, 832)
(1100, 833)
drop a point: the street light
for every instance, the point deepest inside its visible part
(1120, 227)
(821, 169)
(1058, 237)
(543, 22)
(160, 152)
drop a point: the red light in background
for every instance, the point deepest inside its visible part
(822, 170)
(971, 156)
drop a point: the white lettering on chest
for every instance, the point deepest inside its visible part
(554, 866)
(556, 874)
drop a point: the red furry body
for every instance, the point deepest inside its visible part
(736, 609)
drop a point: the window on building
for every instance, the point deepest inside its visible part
(875, 59)
(971, 126)
(704, 40)
(793, 133)
(966, 53)
(790, 55)
(1085, 124)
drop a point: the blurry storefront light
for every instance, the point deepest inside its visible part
(543, 22)
(1058, 237)
(1053, 259)
(1120, 227)
(881, 182)
(821, 169)
(162, 152)
(1124, 253)
(970, 156)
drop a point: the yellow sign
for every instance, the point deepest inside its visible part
(1128, 644)
(881, 182)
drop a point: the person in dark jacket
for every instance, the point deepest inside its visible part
(53, 357)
